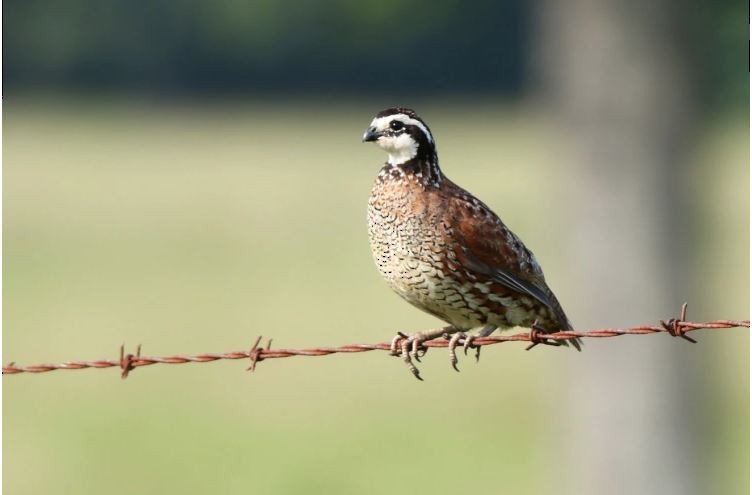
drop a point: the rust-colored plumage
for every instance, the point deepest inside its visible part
(442, 249)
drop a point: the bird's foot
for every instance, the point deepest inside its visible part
(537, 333)
(394, 348)
(413, 342)
(467, 343)
(411, 347)
(484, 332)
(454, 341)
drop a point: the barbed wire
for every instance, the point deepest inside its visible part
(677, 327)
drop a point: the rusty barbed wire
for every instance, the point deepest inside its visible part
(676, 327)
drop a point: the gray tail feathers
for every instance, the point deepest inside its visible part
(576, 343)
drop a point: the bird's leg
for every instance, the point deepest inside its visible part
(412, 345)
(483, 332)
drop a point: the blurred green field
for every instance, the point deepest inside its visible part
(194, 229)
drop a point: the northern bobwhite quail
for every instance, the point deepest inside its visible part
(444, 251)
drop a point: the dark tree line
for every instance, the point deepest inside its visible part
(388, 46)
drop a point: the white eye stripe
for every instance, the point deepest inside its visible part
(382, 123)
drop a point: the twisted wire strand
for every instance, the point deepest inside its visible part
(676, 327)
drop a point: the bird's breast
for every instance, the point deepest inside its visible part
(412, 251)
(404, 237)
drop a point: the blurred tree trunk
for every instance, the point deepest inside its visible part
(612, 75)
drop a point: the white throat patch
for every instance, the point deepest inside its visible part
(401, 149)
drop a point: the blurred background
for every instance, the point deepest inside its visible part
(188, 175)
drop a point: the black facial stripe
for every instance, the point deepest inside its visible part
(414, 131)
(418, 135)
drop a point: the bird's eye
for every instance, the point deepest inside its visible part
(396, 125)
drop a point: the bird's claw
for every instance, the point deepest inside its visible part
(395, 349)
(408, 354)
(410, 347)
(467, 343)
(414, 347)
(453, 343)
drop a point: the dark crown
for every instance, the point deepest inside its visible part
(395, 110)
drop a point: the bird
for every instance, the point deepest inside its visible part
(445, 251)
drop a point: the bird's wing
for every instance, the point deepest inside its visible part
(489, 250)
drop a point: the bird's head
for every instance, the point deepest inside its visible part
(402, 134)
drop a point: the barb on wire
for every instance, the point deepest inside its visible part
(256, 353)
(127, 360)
(677, 327)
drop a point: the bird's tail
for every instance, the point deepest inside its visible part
(564, 323)
(576, 343)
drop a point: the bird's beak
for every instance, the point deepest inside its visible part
(371, 134)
